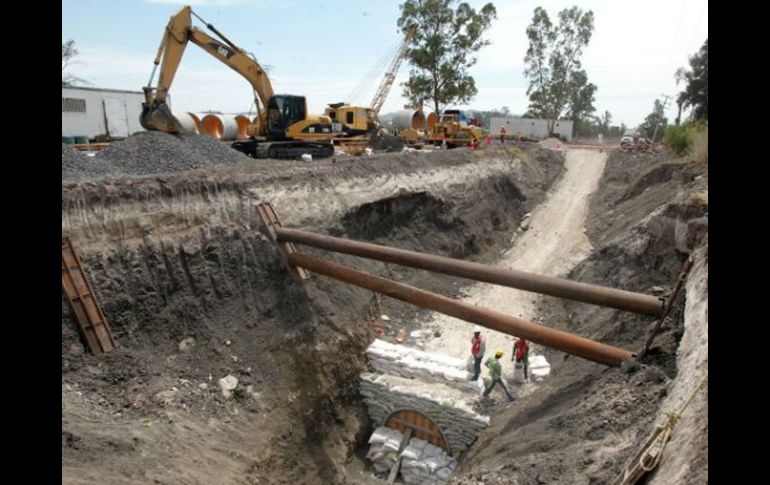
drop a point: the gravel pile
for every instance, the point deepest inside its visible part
(155, 152)
(150, 152)
(76, 166)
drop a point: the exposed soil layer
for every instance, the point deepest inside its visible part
(586, 421)
(194, 292)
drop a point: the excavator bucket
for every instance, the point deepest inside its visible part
(158, 117)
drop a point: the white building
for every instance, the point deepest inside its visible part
(536, 128)
(94, 111)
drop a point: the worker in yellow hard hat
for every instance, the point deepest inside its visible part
(496, 372)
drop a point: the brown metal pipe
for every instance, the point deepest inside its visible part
(547, 285)
(566, 342)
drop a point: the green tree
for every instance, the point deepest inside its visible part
(696, 92)
(553, 63)
(581, 102)
(68, 53)
(443, 49)
(655, 122)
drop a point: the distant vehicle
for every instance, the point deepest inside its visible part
(628, 138)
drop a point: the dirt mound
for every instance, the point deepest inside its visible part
(386, 142)
(152, 152)
(552, 144)
(635, 184)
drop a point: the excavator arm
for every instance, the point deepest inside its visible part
(155, 113)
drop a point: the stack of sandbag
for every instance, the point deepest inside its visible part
(422, 463)
(448, 407)
(384, 448)
(425, 464)
(539, 367)
(415, 364)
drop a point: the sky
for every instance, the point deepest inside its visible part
(338, 50)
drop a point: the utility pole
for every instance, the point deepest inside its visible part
(665, 103)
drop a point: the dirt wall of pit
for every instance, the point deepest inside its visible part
(194, 292)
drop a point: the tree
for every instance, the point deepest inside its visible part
(653, 121)
(68, 53)
(442, 49)
(696, 92)
(553, 62)
(581, 102)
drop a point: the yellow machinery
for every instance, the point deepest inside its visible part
(454, 130)
(350, 120)
(282, 129)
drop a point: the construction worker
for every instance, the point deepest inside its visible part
(521, 354)
(502, 135)
(496, 372)
(478, 347)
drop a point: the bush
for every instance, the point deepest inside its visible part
(679, 139)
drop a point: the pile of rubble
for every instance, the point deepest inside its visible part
(421, 462)
(640, 145)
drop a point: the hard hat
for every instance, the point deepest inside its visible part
(499, 353)
(476, 329)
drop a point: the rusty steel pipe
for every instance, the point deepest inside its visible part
(566, 342)
(547, 285)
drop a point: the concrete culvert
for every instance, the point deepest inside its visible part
(219, 127)
(243, 123)
(431, 120)
(190, 123)
(409, 118)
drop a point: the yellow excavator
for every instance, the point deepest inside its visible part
(282, 129)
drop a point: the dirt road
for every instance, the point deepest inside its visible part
(554, 242)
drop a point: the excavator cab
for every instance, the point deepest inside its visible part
(284, 110)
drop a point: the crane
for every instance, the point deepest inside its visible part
(359, 120)
(390, 74)
(283, 129)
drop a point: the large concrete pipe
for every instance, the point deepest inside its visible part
(243, 123)
(219, 127)
(432, 120)
(189, 123)
(409, 118)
